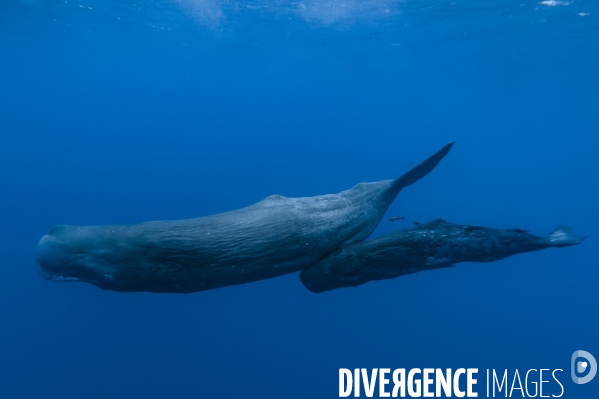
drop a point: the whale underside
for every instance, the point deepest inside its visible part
(323, 236)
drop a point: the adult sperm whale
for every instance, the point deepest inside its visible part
(275, 236)
(428, 246)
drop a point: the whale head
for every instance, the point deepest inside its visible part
(66, 253)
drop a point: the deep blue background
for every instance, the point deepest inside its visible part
(128, 112)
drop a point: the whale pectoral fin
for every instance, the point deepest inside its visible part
(168, 273)
(418, 172)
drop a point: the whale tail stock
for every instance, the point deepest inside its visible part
(562, 236)
(418, 172)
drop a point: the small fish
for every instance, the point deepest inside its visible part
(393, 219)
(417, 223)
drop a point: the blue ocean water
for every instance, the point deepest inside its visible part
(126, 111)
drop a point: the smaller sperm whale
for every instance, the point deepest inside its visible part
(427, 246)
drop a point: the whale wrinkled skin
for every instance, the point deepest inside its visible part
(429, 246)
(275, 236)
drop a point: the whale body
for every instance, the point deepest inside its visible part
(275, 236)
(428, 246)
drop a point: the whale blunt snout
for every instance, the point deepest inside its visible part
(54, 262)
(64, 254)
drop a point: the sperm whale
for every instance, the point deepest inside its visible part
(428, 246)
(273, 237)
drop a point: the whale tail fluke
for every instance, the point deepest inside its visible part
(563, 236)
(418, 172)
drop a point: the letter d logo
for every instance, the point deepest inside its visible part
(580, 366)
